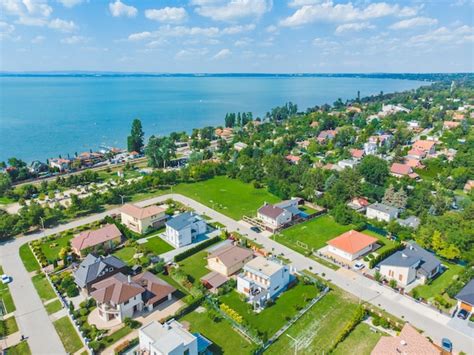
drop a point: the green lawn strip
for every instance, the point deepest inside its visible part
(117, 335)
(8, 326)
(68, 335)
(439, 284)
(157, 245)
(318, 328)
(6, 200)
(275, 316)
(6, 297)
(28, 258)
(360, 341)
(52, 248)
(226, 339)
(54, 307)
(228, 196)
(126, 254)
(314, 233)
(325, 262)
(388, 244)
(195, 265)
(44, 289)
(19, 349)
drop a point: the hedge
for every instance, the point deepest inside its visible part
(358, 317)
(195, 249)
(385, 255)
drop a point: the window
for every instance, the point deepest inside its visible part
(400, 277)
(186, 352)
(126, 302)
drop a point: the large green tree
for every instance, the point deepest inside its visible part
(135, 139)
(374, 169)
(160, 150)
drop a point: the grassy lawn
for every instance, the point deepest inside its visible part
(44, 289)
(314, 233)
(361, 341)
(388, 243)
(195, 265)
(6, 297)
(9, 325)
(157, 245)
(69, 337)
(125, 254)
(228, 196)
(53, 307)
(226, 340)
(5, 200)
(52, 248)
(117, 335)
(19, 349)
(273, 317)
(438, 285)
(28, 258)
(317, 329)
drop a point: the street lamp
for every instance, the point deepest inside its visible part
(122, 196)
(295, 341)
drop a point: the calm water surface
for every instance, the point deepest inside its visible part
(41, 117)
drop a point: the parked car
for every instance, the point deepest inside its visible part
(463, 314)
(256, 229)
(446, 345)
(359, 266)
(6, 279)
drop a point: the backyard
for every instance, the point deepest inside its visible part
(314, 233)
(51, 248)
(226, 340)
(388, 244)
(195, 265)
(156, 245)
(360, 341)
(68, 335)
(274, 316)
(228, 196)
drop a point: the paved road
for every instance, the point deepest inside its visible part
(34, 322)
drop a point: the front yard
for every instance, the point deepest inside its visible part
(68, 335)
(312, 234)
(43, 287)
(28, 259)
(227, 196)
(6, 297)
(19, 349)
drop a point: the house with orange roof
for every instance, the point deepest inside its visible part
(293, 159)
(408, 342)
(458, 116)
(416, 153)
(142, 219)
(60, 163)
(326, 135)
(106, 237)
(450, 124)
(351, 245)
(357, 153)
(468, 186)
(413, 163)
(314, 124)
(400, 170)
(429, 147)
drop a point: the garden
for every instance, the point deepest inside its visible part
(360, 341)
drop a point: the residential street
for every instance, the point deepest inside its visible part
(43, 339)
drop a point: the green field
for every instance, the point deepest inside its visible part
(317, 329)
(68, 335)
(125, 254)
(361, 341)
(5, 200)
(228, 196)
(6, 297)
(157, 246)
(314, 233)
(54, 307)
(195, 265)
(439, 284)
(44, 289)
(226, 340)
(388, 244)
(52, 248)
(28, 258)
(275, 316)
(19, 349)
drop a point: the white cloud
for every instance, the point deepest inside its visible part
(6, 30)
(118, 9)
(222, 54)
(271, 29)
(74, 40)
(28, 12)
(233, 9)
(414, 22)
(62, 25)
(459, 35)
(243, 42)
(38, 39)
(330, 12)
(70, 3)
(238, 29)
(354, 27)
(167, 14)
(191, 53)
(299, 3)
(139, 36)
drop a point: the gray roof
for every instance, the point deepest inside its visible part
(411, 221)
(270, 211)
(383, 208)
(466, 295)
(411, 255)
(183, 220)
(90, 268)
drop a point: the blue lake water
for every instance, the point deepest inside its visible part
(41, 117)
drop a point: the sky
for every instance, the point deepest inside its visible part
(252, 36)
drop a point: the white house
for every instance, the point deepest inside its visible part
(370, 148)
(351, 245)
(280, 214)
(170, 338)
(262, 279)
(184, 228)
(348, 163)
(381, 212)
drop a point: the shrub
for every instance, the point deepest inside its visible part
(232, 313)
(385, 255)
(358, 317)
(195, 249)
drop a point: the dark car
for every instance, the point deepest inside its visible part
(446, 345)
(256, 229)
(463, 314)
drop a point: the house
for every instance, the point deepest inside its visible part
(60, 164)
(239, 146)
(381, 212)
(262, 279)
(326, 135)
(96, 268)
(142, 219)
(184, 228)
(293, 159)
(229, 259)
(458, 116)
(314, 124)
(408, 342)
(429, 147)
(348, 163)
(224, 133)
(280, 214)
(465, 297)
(106, 237)
(357, 153)
(351, 245)
(37, 167)
(413, 125)
(120, 296)
(411, 222)
(170, 338)
(450, 124)
(413, 163)
(400, 170)
(90, 158)
(381, 140)
(359, 204)
(468, 186)
(409, 264)
(370, 148)
(392, 109)
(416, 154)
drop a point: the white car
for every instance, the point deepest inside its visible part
(6, 279)
(359, 266)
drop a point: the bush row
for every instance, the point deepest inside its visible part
(196, 249)
(231, 313)
(358, 317)
(385, 255)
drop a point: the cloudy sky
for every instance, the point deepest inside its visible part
(237, 35)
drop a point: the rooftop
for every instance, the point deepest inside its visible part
(270, 211)
(231, 254)
(411, 255)
(352, 241)
(141, 212)
(466, 295)
(183, 220)
(116, 289)
(383, 208)
(92, 266)
(168, 336)
(263, 266)
(92, 238)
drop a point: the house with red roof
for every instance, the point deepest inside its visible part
(450, 124)
(106, 237)
(357, 153)
(413, 163)
(293, 159)
(429, 147)
(326, 135)
(400, 170)
(351, 245)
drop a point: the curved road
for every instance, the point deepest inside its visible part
(43, 339)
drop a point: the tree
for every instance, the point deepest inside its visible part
(374, 169)
(160, 150)
(135, 139)
(5, 183)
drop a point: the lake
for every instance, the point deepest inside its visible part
(42, 117)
